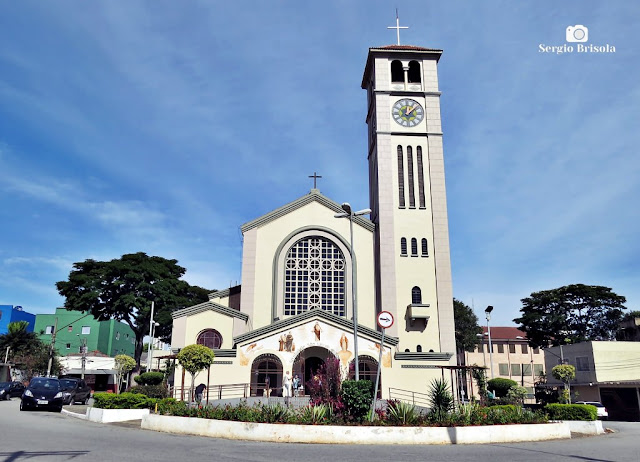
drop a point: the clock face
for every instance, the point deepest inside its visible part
(407, 112)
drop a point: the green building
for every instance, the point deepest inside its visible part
(75, 328)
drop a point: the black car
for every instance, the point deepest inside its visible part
(10, 389)
(42, 393)
(74, 390)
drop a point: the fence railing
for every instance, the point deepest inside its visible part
(232, 390)
(413, 397)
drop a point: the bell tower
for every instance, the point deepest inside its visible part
(407, 196)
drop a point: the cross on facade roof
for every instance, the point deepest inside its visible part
(397, 27)
(315, 177)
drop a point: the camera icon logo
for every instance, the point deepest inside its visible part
(577, 33)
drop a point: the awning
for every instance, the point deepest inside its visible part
(91, 372)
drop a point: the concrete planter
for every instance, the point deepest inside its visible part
(279, 433)
(115, 415)
(593, 427)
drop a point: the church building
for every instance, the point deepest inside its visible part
(306, 264)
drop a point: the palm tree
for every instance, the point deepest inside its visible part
(18, 339)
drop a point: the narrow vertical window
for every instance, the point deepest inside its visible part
(414, 247)
(397, 73)
(416, 296)
(403, 247)
(420, 178)
(425, 248)
(400, 177)
(414, 72)
(412, 196)
(419, 348)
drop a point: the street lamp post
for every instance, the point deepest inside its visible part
(350, 214)
(487, 313)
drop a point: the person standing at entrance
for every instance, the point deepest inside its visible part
(286, 387)
(296, 385)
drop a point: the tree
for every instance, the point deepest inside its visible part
(565, 373)
(570, 314)
(501, 386)
(195, 358)
(467, 328)
(123, 289)
(34, 361)
(18, 339)
(123, 364)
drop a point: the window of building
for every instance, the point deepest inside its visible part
(397, 72)
(117, 335)
(412, 195)
(503, 369)
(414, 247)
(414, 72)
(419, 348)
(537, 369)
(421, 196)
(480, 348)
(525, 350)
(425, 248)
(406, 350)
(500, 347)
(582, 363)
(48, 330)
(70, 329)
(403, 247)
(416, 296)
(210, 338)
(68, 346)
(526, 369)
(315, 277)
(512, 348)
(516, 369)
(400, 177)
(536, 351)
(86, 330)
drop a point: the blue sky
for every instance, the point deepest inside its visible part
(162, 126)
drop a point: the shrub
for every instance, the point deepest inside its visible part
(149, 378)
(152, 391)
(440, 400)
(571, 411)
(357, 397)
(123, 401)
(324, 386)
(501, 386)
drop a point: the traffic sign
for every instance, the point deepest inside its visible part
(385, 319)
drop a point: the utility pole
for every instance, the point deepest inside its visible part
(83, 347)
(53, 343)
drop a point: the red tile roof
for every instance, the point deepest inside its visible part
(404, 47)
(505, 333)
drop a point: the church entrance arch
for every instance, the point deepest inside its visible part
(266, 373)
(308, 363)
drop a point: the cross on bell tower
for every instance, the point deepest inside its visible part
(315, 177)
(397, 27)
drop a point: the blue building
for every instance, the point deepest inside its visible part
(10, 313)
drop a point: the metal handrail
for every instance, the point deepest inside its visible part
(230, 390)
(414, 397)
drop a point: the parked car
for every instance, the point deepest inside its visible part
(74, 390)
(603, 414)
(42, 393)
(10, 390)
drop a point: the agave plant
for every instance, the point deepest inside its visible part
(316, 414)
(440, 399)
(402, 413)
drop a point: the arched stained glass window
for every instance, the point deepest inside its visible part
(416, 296)
(210, 338)
(403, 246)
(425, 248)
(314, 277)
(414, 247)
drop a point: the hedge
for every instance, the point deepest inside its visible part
(127, 401)
(571, 411)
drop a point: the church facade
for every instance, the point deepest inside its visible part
(301, 275)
